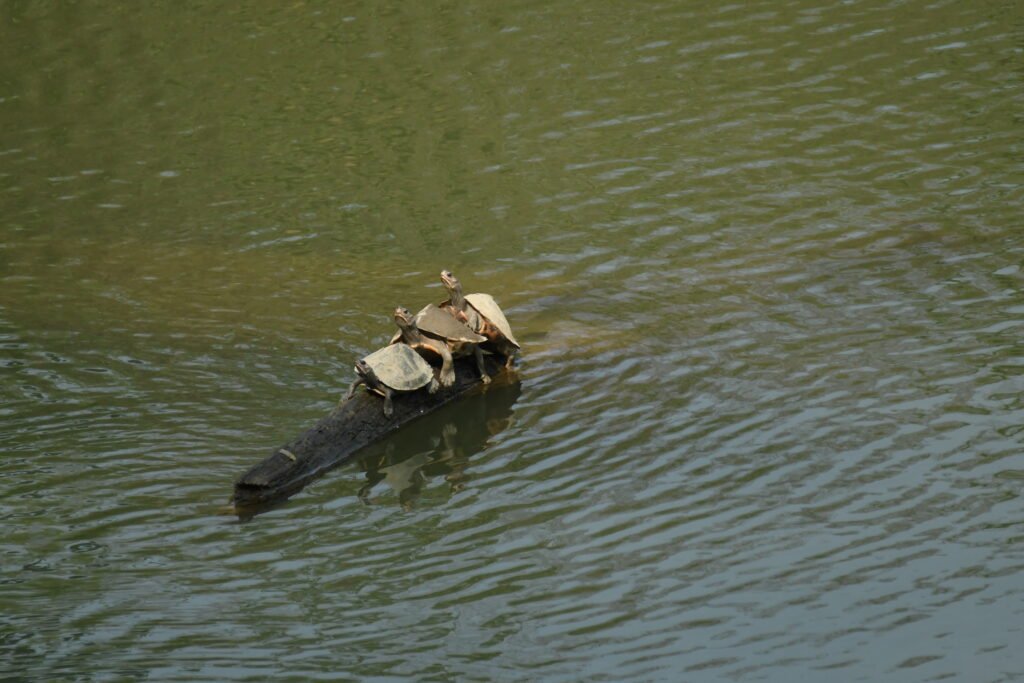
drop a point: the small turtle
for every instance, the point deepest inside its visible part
(482, 313)
(434, 325)
(428, 347)
(394, 369)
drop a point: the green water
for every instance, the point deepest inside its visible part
(764, 259)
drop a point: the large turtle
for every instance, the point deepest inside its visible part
(394, 369)
(434, 325)
(481, 313)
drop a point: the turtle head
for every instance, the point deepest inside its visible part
(364, 370)
(450, 282)
(454, 288)
(403, 318)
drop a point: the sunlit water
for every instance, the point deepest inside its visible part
(764, 259)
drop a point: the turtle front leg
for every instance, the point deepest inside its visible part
(447, 376)
(389, 409)
(352, 389)
(479, 355)
(472, 319)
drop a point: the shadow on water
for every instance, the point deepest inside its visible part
(437, 444)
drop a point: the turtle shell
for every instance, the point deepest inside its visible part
(488, 308)
(439, 323)
(400, 368)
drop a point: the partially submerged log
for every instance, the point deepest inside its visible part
(350, 427)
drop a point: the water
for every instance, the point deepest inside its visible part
(764, 259)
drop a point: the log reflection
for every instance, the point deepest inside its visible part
(439, 445)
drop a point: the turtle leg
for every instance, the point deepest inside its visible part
(447, 377)
(352, 389)
(479, 355)
(388, 406)
(432, 387)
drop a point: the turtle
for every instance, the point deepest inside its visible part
(396, 368)
(481, 313)
(456, 303)
(436, 328)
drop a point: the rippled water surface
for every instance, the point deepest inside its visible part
(764, 259)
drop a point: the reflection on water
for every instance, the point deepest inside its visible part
(439, 445)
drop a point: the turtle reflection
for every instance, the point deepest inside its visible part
(437, 446)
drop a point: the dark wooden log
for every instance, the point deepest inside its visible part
(339, 436)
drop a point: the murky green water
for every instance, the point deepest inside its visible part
(765, 259)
